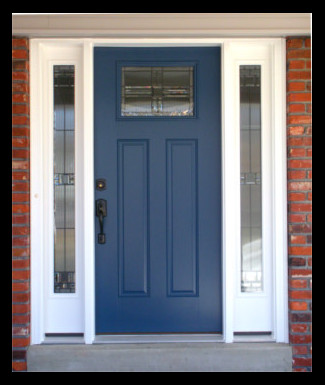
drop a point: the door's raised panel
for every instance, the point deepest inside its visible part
(133, 211)
(182, 226)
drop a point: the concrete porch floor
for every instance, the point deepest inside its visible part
(161, 357)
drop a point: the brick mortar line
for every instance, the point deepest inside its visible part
(21, 247)
(20, 281)
(290, 244)
(19, 224)
(304, 147)
(300, 289)
(307, 125)
(300, 223)
(293, 300)
(297, 233)
(24, 202)
(290, 157)
(19, 336)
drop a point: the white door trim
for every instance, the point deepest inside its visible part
(229, 189)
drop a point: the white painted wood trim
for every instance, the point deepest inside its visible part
(279, 182)
(89, 197)
(230, 196)
(162, 25)
(36, 195)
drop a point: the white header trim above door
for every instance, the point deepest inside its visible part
(162, 25)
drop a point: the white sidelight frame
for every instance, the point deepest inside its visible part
(61, 311)
(41, 52)
(270, 306)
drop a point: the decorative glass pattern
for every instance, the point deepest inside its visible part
(64, 177)
(157, 91)
(250, 179)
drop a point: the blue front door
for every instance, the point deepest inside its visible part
(158, 152)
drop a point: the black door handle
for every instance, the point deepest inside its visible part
(101, 212)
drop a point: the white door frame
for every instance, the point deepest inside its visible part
(231, 48)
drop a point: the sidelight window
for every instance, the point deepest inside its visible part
(250, 179)
(64, 179)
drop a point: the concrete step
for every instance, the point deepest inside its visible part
(161, 357)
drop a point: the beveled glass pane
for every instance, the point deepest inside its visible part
(250, 179)
(59, 206)
(59, 249)
(59, 151)
(69, 206)
(64, 191)
(157, 91)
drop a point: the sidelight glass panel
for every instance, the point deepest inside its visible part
(64, 188)
(250, 179)
(157, 91)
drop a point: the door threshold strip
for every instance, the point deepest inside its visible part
(156, 338)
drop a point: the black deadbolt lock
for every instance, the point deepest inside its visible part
(100, 184)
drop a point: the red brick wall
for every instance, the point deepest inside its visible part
(20, 202)
(299, 198)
